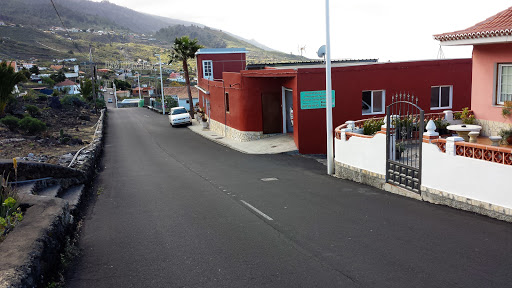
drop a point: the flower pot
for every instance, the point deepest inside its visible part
(509, 140)
(205, 124)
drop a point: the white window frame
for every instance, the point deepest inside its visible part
(499, 100)
(208, 75)
(383, 110)
(449, 100)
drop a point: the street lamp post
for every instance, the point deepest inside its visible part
(161, 83)
(138, 83)
(328, 93)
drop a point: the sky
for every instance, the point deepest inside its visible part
(392, 30)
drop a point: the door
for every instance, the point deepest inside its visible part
(288, 111)
(404, 142)
(271, 113)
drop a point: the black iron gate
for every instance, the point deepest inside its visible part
(404, 135)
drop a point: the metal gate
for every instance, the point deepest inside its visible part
(404, 135)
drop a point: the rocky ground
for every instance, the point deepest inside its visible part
(69, 128)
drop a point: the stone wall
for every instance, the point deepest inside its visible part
(235, 134)
(31, 253)
(491, 128)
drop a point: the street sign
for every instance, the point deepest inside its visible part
(314, 99)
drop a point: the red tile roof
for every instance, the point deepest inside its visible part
(181, 91)
(66, 82)
(495, 26)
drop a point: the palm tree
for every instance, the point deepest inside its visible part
(8, 79)
(182, 50)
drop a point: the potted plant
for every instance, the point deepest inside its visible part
(467, 117)
(506, 111)
(441, 125)
(204, 120)
(399, 149)
(506, 135)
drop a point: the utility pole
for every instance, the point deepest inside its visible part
(328, 93)
(161, 83)
(93, 72)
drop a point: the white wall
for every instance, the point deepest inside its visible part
(471, 178)
(364, 153)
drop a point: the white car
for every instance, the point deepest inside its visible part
(109, 100)
(179, 116)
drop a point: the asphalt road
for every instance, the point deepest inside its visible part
(174, 210)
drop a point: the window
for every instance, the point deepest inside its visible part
(373, 102)
(504, 83)
(227, 102)
(440, 97)
(208, 69)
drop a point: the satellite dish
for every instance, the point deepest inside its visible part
(321, 52)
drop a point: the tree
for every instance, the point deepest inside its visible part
(34, 70)
(122, 85)
(8, 79)
(59, 77)
(182, 50)
(86, 89)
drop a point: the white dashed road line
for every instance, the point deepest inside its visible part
(257, 211)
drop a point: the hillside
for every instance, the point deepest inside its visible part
(121, 44)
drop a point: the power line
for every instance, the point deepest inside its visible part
(62, 22)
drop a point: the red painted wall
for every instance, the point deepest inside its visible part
(234, 62)
(485, 70)
(348, 82)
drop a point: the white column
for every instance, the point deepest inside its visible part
(450, 145)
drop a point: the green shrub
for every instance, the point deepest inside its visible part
(32, 125)
(42, 97)
(11, 122)
(33, 110)
(10, 213)
(72, 100)
(100, 103)
(30, 96)
(467, 117)
(371, 126)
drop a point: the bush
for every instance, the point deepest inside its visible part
(32, 125)
(371, 126)
(100, 104)
(72, 100)
(42, 98)
(10, 213)
(11, 122)
(33, 110)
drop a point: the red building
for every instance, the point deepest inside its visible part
(268, 99)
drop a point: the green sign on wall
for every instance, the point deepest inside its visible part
(314, 99)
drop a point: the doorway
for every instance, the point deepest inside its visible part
(271, 112)
(287, 110)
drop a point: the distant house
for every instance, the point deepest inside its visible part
(28, 65)
(2, 23)
(68, 86)
(492, 68)
(181, 94)
(13, 65)
(56, 67)
(144, 91)
(123, 94)
(176, 77)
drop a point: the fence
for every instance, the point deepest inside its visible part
(463, 175)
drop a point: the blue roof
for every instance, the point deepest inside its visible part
(221, 51)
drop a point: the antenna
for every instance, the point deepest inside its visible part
(440, 53)
(321, 52)
(301, 49)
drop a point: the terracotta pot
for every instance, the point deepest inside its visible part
(509, 140)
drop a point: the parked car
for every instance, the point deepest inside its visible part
(179, 116)
(109, 100)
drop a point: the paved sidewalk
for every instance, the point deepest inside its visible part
(280, 143)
